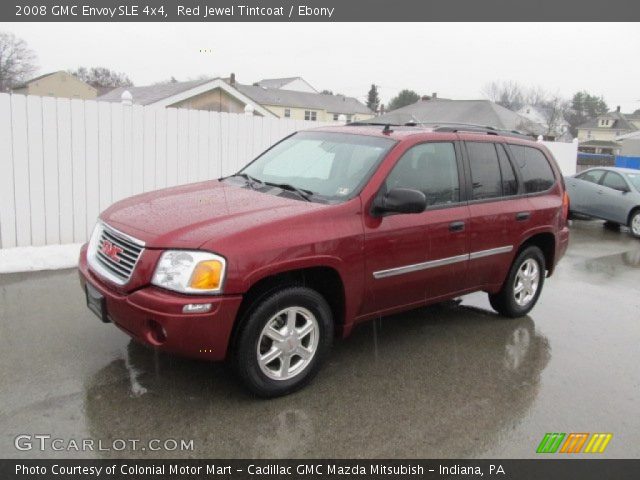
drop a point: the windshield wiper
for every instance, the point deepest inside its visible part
(250, 180)
(302, 192)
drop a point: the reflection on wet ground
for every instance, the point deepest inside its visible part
(452, 380)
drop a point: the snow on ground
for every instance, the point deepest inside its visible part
(50, 257)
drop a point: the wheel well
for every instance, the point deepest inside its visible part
(325, 280)
(545, 242)
(632, 213)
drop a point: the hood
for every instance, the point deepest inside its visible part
(190, 215)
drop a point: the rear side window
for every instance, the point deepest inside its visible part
(615, 181)
(592, 176)
(536, 172)
(485, 170)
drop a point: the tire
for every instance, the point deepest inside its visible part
(267, 333)
(514, 304)
(634, 223)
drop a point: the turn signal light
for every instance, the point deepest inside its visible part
(207, 275)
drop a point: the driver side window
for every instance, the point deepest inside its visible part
(431, 168)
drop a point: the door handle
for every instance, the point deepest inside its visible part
(522, 216)
(456, 226)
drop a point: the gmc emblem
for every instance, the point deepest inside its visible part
(110, 250)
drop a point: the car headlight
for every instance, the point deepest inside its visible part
(187, 271)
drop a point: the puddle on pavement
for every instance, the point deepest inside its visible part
(401, 384)
(612, 265)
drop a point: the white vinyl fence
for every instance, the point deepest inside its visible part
(566, 155)
(63, 161)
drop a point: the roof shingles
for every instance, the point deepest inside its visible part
(263, 96)
(477, 112)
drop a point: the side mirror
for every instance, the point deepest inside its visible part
(401, 200)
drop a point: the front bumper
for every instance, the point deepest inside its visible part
(147, 310)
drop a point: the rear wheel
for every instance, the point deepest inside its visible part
(523, 285)
(634, 223)
(283, 341)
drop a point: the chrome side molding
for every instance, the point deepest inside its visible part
(441, 262)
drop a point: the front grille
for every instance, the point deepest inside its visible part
(115, 255)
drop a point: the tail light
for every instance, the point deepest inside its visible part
(565, 206)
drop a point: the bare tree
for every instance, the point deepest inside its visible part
(18, 62)
(535, 96)
(507, 94)
(554, 110)
(101, 77)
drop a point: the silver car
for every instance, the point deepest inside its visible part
(612, 194)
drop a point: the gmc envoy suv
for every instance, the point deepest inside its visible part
(328, 228)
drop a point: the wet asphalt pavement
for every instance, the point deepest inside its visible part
(452, 380)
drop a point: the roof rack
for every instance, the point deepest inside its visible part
(447, 127)
(472, 128)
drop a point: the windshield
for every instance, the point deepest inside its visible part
(333, 166)
(634, 178)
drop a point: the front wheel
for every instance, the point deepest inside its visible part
(283, 341)
(634, 224)
(523, 285)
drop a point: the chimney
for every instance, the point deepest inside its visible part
(434, 95)
(618, 109)
(232, 79)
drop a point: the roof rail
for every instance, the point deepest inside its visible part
(486, 129)
(448, 127)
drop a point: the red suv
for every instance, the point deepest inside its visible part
(326, 229)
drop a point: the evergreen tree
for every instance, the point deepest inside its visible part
(373, 99)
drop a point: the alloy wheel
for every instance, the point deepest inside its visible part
(526, 282)
(288, 343)
(635, 224)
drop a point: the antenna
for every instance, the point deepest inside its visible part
(387, 129)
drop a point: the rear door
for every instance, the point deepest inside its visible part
(612, 198)
(411, 258)
(497, 215)
(583, 191)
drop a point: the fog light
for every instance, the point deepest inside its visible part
(196, 308)
(157, 333)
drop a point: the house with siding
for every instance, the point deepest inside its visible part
(57, 84)
(283, 97)
(599, 135)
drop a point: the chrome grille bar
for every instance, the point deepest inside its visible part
(113, 254)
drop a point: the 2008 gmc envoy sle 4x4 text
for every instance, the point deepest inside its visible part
(326, 229)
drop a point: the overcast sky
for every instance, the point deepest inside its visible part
(455, 60)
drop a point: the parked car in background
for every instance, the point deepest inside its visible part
(326, 229)
(608, 193)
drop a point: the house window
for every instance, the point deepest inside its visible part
(287, 113)
(588, 133)
(310, 115)
(349, 117)
(335, 117)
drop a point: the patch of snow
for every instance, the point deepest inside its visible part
(50, 257)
